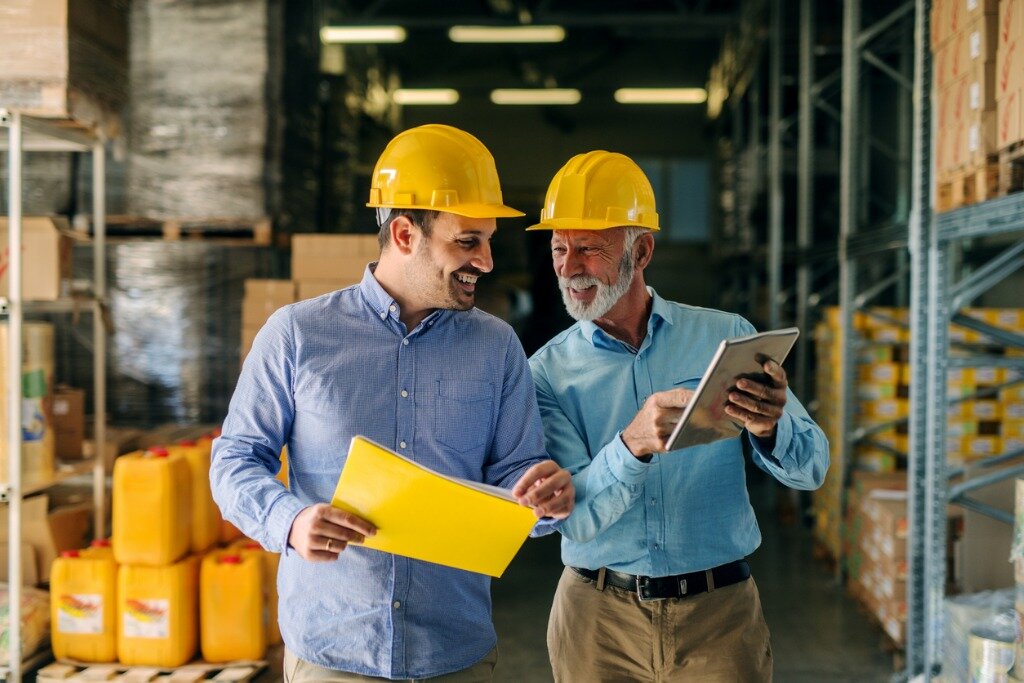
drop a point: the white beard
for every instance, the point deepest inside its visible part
(607, 295)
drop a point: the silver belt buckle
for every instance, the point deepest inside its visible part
(682, 587)
(640, 585)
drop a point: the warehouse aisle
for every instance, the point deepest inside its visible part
(817, 632)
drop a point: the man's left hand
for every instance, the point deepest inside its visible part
(758, 404)
(548, 489)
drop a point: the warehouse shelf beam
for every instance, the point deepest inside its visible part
(877, 62)
(993, 461)
(980, 281)
(867, 35)
(995, 333)
(775, 170)
(987, 362)
(27, 133)
(869, 294)
(983, 509)
(805, 194)
(994, 217)
(980, 482)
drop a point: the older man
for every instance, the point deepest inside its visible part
(404, 359)
(656, 586)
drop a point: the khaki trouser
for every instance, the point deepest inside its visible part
(299, 671)
(610, 636)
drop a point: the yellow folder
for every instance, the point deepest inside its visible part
(426, 515)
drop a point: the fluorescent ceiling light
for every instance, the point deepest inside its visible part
(362, 34)
(535, 96)
(661, 96)
(506, 34)
(408, 96)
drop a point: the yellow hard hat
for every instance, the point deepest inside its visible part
(439, 168)
(596, 191)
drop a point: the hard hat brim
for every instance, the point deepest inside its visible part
(586, 224)
(467, 210)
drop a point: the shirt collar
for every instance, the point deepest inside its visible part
(660, 311)
(383, 304)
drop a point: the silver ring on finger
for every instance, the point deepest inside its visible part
(329, 542)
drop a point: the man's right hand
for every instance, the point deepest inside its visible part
(654, 423)
(320, 532)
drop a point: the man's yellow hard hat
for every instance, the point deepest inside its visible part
(597, 191)
(439, 168)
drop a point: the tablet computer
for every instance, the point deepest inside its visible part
(704, 419)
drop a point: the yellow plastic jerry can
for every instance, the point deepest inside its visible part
(270, 562)
(205, 513)
(152, 508)
(83, 606)
(231, 617)
(157, 621)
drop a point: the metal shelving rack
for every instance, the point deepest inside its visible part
(27, 133)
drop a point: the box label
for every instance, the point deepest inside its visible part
(80, 613)
(147, 619)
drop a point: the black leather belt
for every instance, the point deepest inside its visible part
(678, 586)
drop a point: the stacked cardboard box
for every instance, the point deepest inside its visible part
(965, 34)
(883, 572)
(324, 263)
(65, 59)
(262, 298)
(1009, 73)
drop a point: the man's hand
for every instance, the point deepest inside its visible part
(758, 404)
(652, 426)
(320, 532)
(546, 488)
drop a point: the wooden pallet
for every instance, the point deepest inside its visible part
(970, 186)
(1011, 169)
(242, 231)
(195, 671)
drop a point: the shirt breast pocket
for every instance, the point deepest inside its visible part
(686, 383)
(463, 411)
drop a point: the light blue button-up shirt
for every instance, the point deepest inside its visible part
(454, 394)
(687, 510)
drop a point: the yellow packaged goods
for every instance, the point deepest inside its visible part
(156, 613)
(231, 617)
(152, 507)
(83, 606)
(270, 562)
(205, 513)
(38, 441)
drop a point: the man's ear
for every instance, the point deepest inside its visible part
(403, 234)
(644, 251)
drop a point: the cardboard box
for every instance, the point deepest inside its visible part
(46, 258)
(49, 532)
(981, 137)
(262, 298)
(1010, 126)
(981, 38)
(29, 564)
(981, 87)
(69, 421)
(119, 440)
(65, 58)
(332, 257)
(1011, 21)
(313, 288)
(1009, 63)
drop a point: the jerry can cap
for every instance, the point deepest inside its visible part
(69, 553)
(230, 559)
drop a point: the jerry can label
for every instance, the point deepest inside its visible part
(80, 613)
(147, 619)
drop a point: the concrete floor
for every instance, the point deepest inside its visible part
(817, 632)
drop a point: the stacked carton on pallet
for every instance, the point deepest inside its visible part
(965, 35)
(1010, 81)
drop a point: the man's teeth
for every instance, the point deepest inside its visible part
(468, 279)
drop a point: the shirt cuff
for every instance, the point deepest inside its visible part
(623, 465)
(280, 519)
(783, 437)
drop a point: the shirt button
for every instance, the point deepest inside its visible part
(654, 501)
(397, 604)
(405, 342)
(405, 394)
(401, 444)
(392, 308)
(656, 546)
(383, 314)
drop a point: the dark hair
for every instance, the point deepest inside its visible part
(421, 218)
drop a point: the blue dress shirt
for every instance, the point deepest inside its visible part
(454, 394)
(687, 510)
